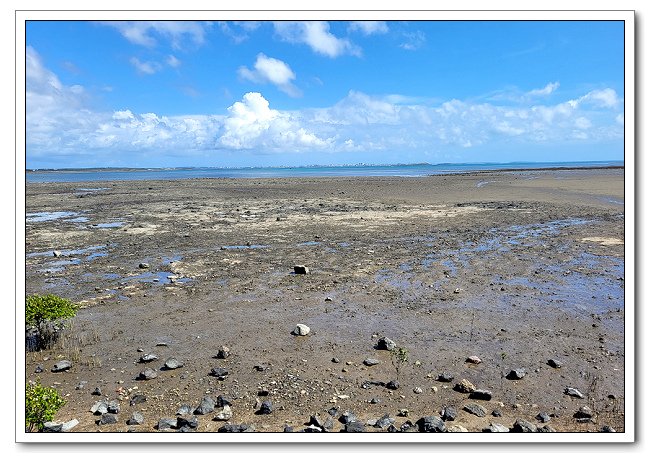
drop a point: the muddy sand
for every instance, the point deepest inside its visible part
(516, 268)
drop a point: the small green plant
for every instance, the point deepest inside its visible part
(44, 317)
(41, 404)
(400, 355)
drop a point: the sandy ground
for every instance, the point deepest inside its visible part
(513, 267)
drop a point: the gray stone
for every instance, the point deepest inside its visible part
(386, 344)
(392, 385)
(523, 426)
(312, 428)
(137, 418)
(355, 426)
(113, 406)
(51, 426)
(143, 265)
(445, 377)
(370, 362)
(300, 269)
(475, 409)
(496, 427)
(61, 365)
(224, 415)
(449, 414)
(184, 410)
(384, 421)
(583, 412)
(187, 421)
(223, 352)
(148, 358)
(573, 392)
(137, 399)
(266, 408)
(147, 374)
(333, 411)
(99, 408)
(431, 424)
(236, 428)
(496, 413)
(473, 359)
(56, 253)
(81, 385)
(347, 417)
(287, 428)
(516, 374)
(171, 363)
(222, 401)
(107, 418)
(97, 391)
(481, 394)
(301, 330)
(39, 369)
(555, 363)
(219, 373)
(206, 406)
(335, 360)
(375, 400)
(166, 423)
(543, 417)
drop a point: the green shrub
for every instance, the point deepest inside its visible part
(41, 404)
(44, 316)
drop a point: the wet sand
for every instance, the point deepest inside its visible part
(513, 267)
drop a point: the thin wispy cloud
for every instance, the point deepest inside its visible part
(368, 27)
(145, 67)
(148, 33)
(413, 40)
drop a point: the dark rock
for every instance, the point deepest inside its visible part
(392, 385)
(113, 406)
(143, 265)
(261, 367)
(384, 421)
(166, 423)
(555, 363)
(546, 428)
(523, 426)
(148, 358)
(370, 362)
(186, 428)
(392, 428)
(184, 410)
(583, 412)
(137, 399)
(56, 253)
(61, 365)
(496, 427)
(147, 374)
(39, 369)
(475, 409)
(219, 373)
(408, 427)
(516, 374)
(263, 393)
(543, 417)
(375, 400)
(573, 392)
(236, 428)
(224, 352)
(316, 420)
(431, 424)
(312, 428)
(97, 391)
(481, 394)
(136, 418)
(355, 426)
(403, 412)
(386, 344)
(607, 429)
(190, 421)
(368, 384)
(347, 417)
(266, 408)
(335, 360)
(222, 401)
(333, 411)
(300, 269)
(496, 413)
(445, 378)
(107, 418)
(206, 406)
(448, 414)
(172, 363)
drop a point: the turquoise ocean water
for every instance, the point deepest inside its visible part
(405, 170)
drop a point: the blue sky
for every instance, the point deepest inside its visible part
(171, 93)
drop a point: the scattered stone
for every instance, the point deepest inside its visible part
(445, 378)
(184, 410)
(573, 392)
(583, 412)
(496, 413)
(107, 418)
(481, 394)
(300, 269)
(448, 414)
(473, 359)
(143, 265)
(301, 330)
(147, 374)
(347, 417)
(136, 419)
(523, 426)
(219, 373)
(555, 363)
(166, 423)
(335, 360)
(56, 253)
(171, 363)
(457, 428)
(136, 399)
(333, 411)
(607, 429)
(287, 428)
(392, 428)
(368, 384)
(261, 367)
(224, 352)
(431, 424)
(375, 401)
(148, 358)
(464, 386)
(113, 406)
(386, 344)
(475, 409)
(266, 408)
(328, 299)
(61, 365)
(81, 385)
(222, 401)
(187, 421)
(543, 417)
(370, 362)
(355, 426)
(496, 427)
(392, 385)
(99, 408)
(52, 426)
(516, 374)
(206, 406)
(224, 415)
(236, 428)
(417, 390)
(39, 369)
(403, 412)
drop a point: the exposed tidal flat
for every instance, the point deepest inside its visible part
(522, 271)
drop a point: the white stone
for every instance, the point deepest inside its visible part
(301, 330)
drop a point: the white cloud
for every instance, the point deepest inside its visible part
(547, 90)
(146, 67)
(144, 32)
(369, 27)
(173, 61)
(414, 40)
(317, 36)
(238, 31)
(271, 70)
(605, 98)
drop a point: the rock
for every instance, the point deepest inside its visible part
(386, 344)
(607, 429)
(347, 417)
(136, 419)
(523, 426)
(184, 410)
(496, 427)
(473, 359)
(328, 299)
(206, 406)
(555, 363)
(56, 253)
(39, 369)
(375, 400)
(445, 378)
(143, 265)
(516, 374)
(171, 363)
(222, 401)
(81, 385)
(333, 411)
(99, 408)
(573, 392)
(61, 365)
(355, 426)
(97, 391)
(496, 413)
(107, 418)
(543, 417)
(546, 428)
(236, 428)
(370, 362)
(266, 408)
(448, 414)
(166, 423)
(113, 406)
(583, 412)
(481, 394)
(431, 424)
(223, 352)
(148, 358)
(392, 385)
(224, 415)
(457, 428)
(287, 428)
(137, 399)
(219, 373)
(464, 386)
(147, 374)
(187, 421)
(51, 426)
(403, 412)
(417, 390)
(300, 269)
(301, 330)
(335, 360)
(384, 421)
(475, 409)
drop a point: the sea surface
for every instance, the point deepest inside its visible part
(400, 170)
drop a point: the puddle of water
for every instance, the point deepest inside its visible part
(406, 267)
(77, 220)
(344, 244)
(159, 278)
(48, 216)
(169, 260)
(68, 252)
(111, 276)
(309, 243)
(95, 255)
(109, 225)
